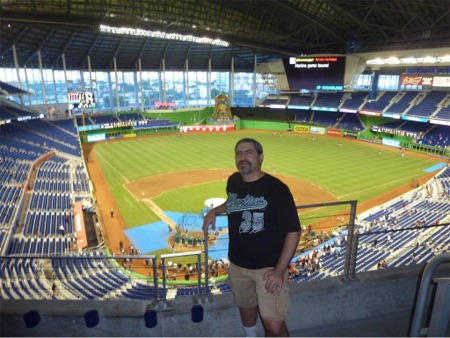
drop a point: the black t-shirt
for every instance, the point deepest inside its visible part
(260, 214)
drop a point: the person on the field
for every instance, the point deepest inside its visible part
(264, 231)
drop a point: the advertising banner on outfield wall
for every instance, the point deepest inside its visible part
(391, 142)
(211, 128)
(301, 129)
(352, 134)
(318, 130)
(333, 131)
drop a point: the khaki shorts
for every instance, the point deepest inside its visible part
(249, 290)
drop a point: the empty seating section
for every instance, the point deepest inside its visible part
(415, 127)
(18, 149)
(331, 101)
(328, 119)
(6, 114)
(443, 114)
(156, 123)
(403, 103)
(81, 182)
(300, 101)
(130, 117)
(77, 277)
(68, 126)
(61, 140)
(104, 119)
(189, 291)
(140, 291)
(350, 121)
(87, 121)
(50, 208)
(382, 101)
(303, 116)
(8, 90)
(428, 105)
(23, 279)
(8, 111)
(390, 126)
(91, 278)
(13, 175)
(354, 102)
(40, 245)
(31, 133)
(278, 102)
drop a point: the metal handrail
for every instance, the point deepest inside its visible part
(423, 291)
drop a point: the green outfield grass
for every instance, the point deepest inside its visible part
(354, 172)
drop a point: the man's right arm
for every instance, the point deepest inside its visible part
(210, 217)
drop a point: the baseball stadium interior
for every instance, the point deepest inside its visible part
(78, 74)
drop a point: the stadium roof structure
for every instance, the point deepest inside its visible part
(265, 29)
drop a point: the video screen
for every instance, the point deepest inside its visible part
(315, 73)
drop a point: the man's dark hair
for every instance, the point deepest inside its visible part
(256, 144)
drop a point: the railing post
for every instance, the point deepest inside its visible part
(163, 261)
(206, 267)
(352, 245)
(199, 274)
(208, 296)
(155, 279)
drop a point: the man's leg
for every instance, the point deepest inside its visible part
(249, 316)
(245, 297)
(275, 328)
(273, 308)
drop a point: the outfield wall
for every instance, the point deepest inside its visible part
(268, 119)
(268, 125)
(182, 116)
(264, 114)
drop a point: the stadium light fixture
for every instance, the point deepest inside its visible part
(161, 35)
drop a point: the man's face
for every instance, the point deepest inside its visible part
(248, 161)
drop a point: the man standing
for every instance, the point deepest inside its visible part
(264, 231)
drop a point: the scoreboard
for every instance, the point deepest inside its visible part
(81, 99)
(315, 73)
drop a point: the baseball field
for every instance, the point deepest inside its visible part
(141, 178)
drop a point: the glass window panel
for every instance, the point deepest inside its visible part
(220, 84)
(34, 86)
(128, 90)
(73, 80)
(61, 92)
(198, 88)
(174, 88)
(151, 90)
(50, 94)
(100, 83)
(243, 89)
(9, 75)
